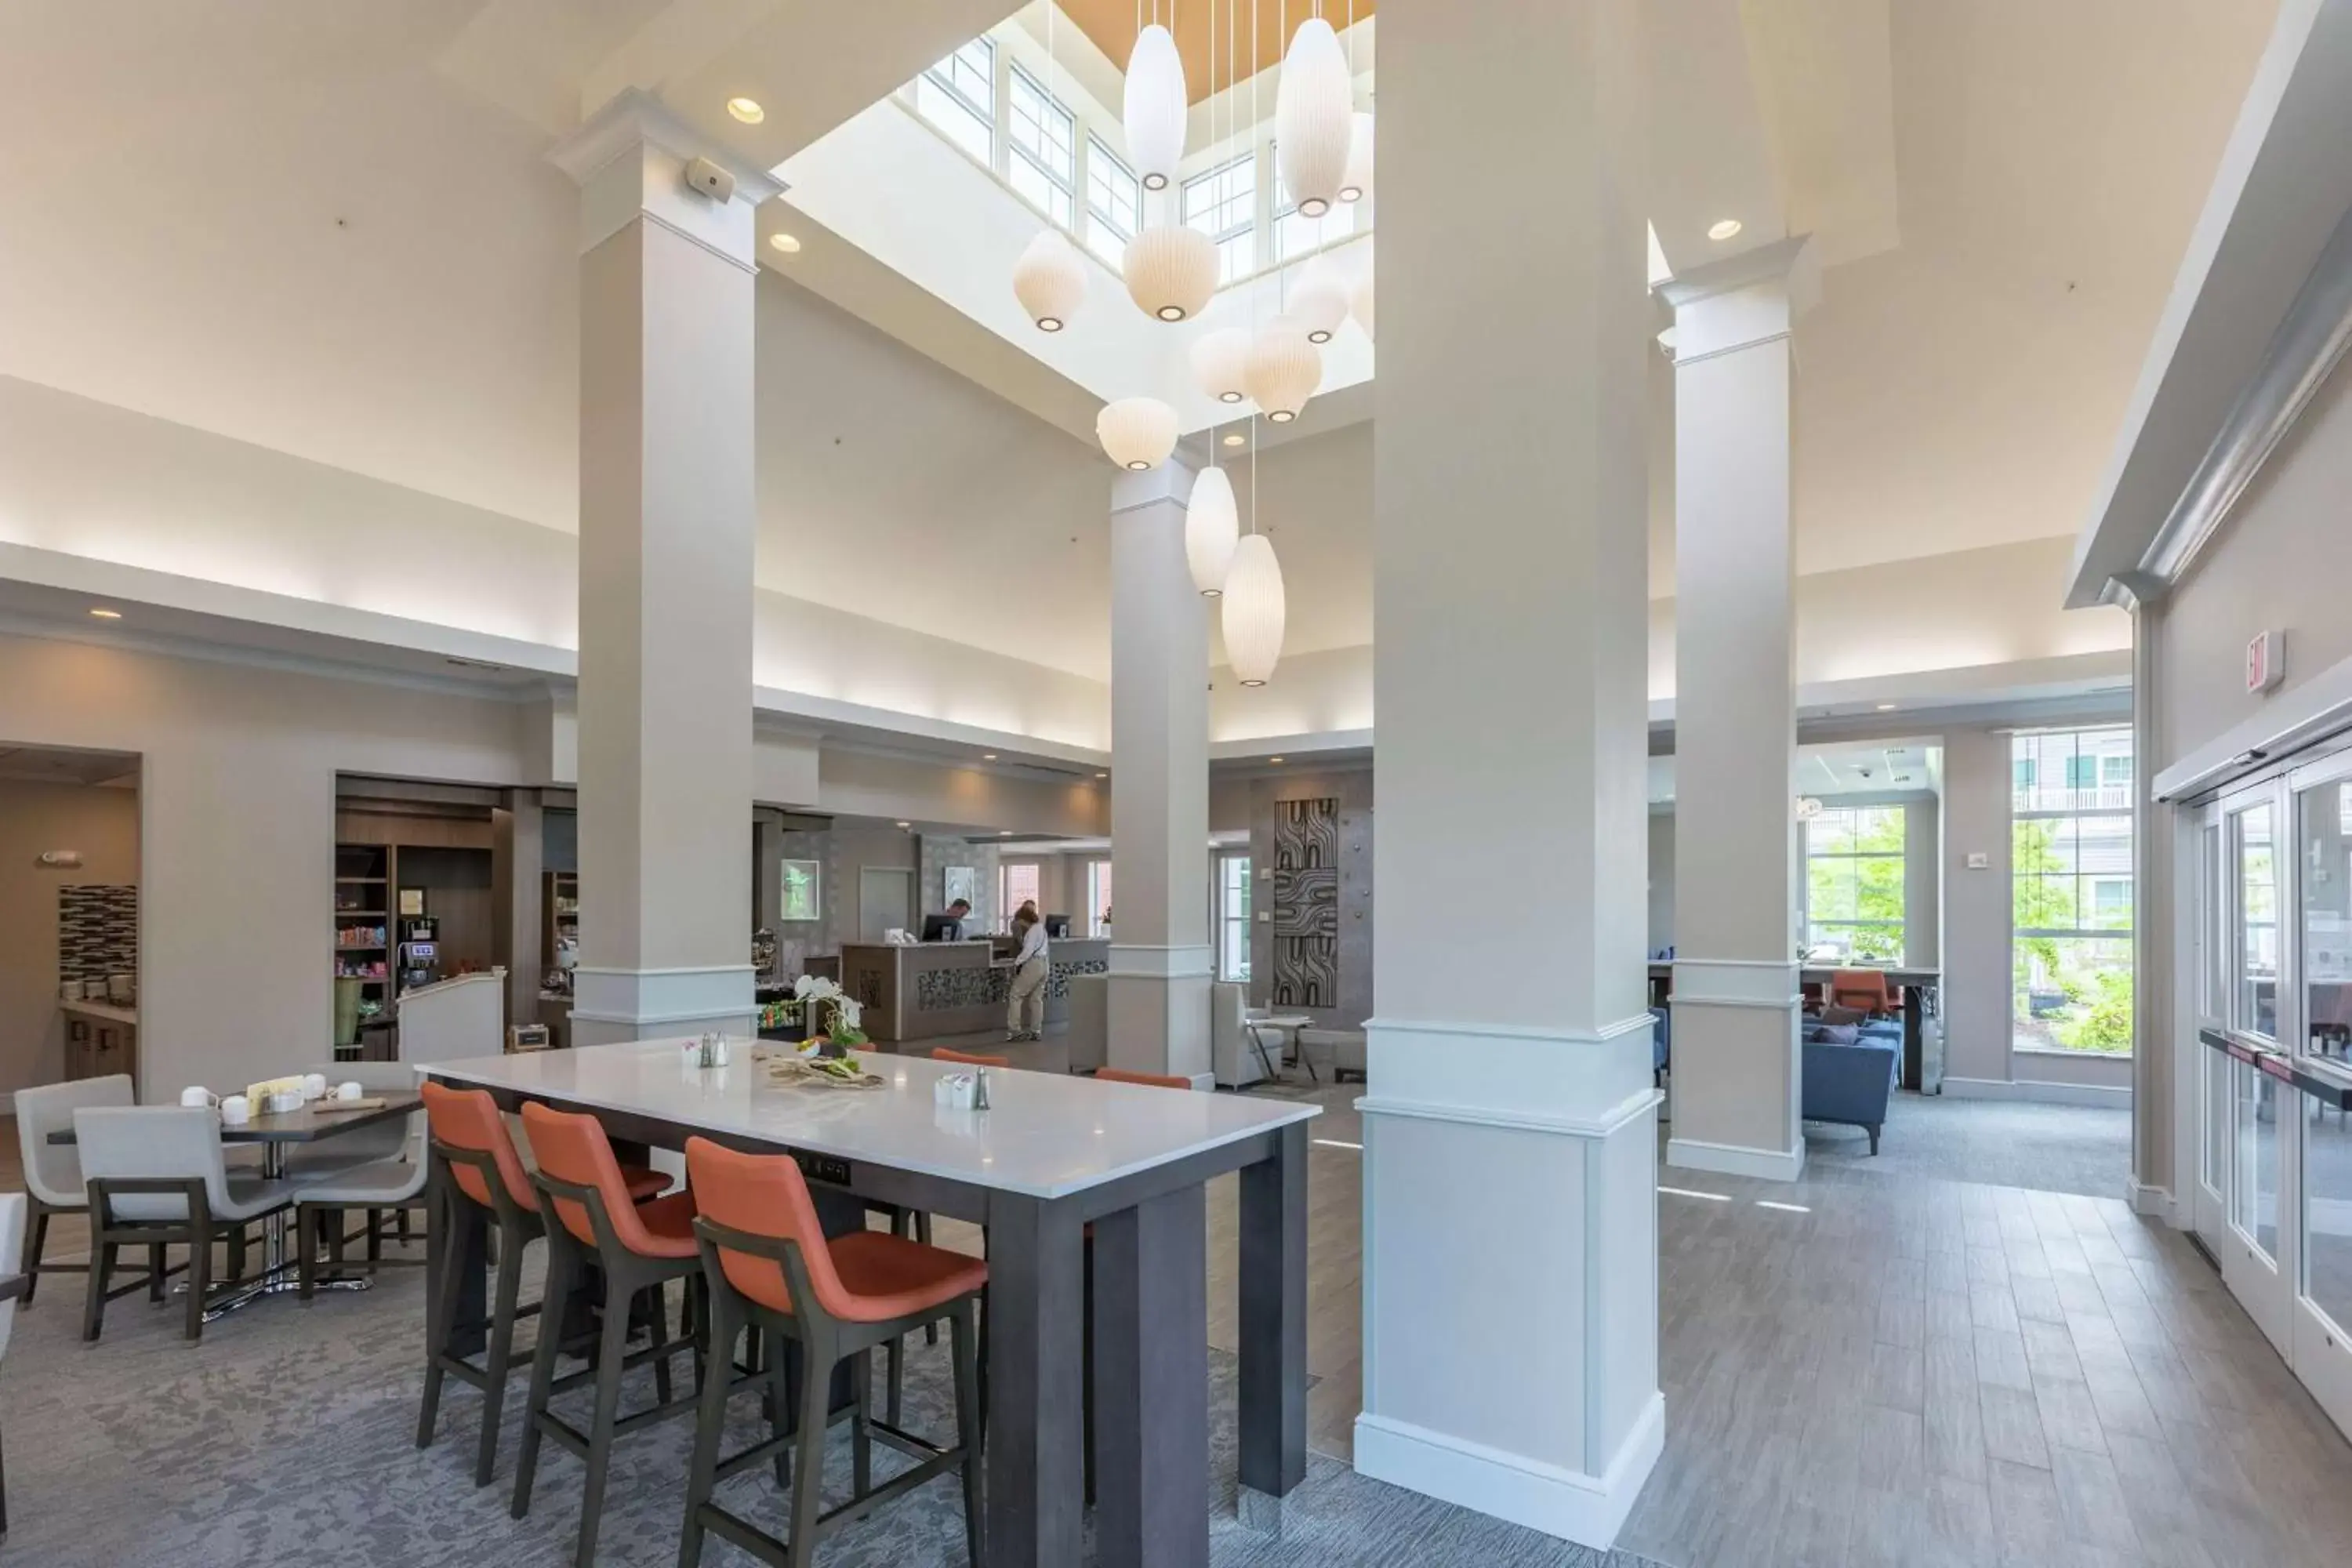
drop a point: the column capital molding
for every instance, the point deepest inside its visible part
(1171, 481)
(1742, 300)
(629, 159)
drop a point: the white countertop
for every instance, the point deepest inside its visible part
(106, 1010)
(1046, 1135)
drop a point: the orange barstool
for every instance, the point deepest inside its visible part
(1864, 989)
(969, 1059)
(1148, 1079)
(768, 1266)
(638, 1247)
(478, 1179)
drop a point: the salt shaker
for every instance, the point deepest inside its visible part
(979, 1089)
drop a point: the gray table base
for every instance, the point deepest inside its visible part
(279, 1274)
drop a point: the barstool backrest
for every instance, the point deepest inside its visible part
(468, 1119)
(573, 1147)
(1148, 1079)
(765, 1196)
(969, 1059)
(53, 1171)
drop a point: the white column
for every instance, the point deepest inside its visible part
(1160, 960)
(1511, 1213)
(667, 525)
(1735, 1058)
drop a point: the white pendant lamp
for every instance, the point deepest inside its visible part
(1136, 432)
(1154, 107)
(1213, 526)
(1357, 183)
(1313, 116)
(1252, 610)
(1359, 303)
(1284, 368)
(1321, 300)
(1219, 360)
(1170, 271)
(1050, 280)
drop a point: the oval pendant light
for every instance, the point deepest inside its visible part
(1213, 526)
(1320, 301)
(1170, 271)
(1359, 303)
(1219, 361)
(1314, 118)
(1050, 280)
(1357, 183)
(1136, 432)
(1252, 610)
(1153, 109)
(1284, 370)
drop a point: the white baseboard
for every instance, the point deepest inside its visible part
(1574, 1505)
(2105, 1097)
(1734, 1160)
(2155, 1203)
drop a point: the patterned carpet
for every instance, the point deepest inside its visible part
(286, 1438)
(2080, 1149)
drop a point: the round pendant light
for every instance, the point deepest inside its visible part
(1359, 303)
(1284, 368)
(1357, 183)
(1252, 610)
(1136, 432)
(1050, 280)
(1154, 106)
(1170, 271)
(1313, 116)
(1320, 299)
(1213, 526)
(1219, 360)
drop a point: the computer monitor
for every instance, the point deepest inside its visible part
(943, 928)
(1057, 926)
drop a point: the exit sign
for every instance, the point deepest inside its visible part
(2265, 661)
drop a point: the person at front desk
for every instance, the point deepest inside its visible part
(1025, 1005)
(947, 927)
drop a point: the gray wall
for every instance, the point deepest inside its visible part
(1662, 880)
(1352, 788)
(939, 853)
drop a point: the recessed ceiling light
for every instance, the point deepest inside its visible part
(988, 756)
(1723, 228)
(1887, 707)
(1102, 776)
(745, 109)
(788, 244)
(1233, 440)
(905, 824)
(1005, 833)
(1274, 759)
(107, 615)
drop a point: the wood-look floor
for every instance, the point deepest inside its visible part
(1886, 1370)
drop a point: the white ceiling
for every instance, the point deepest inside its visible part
(1841, 768)
(328, 228)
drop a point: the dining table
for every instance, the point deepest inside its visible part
(1089, 1193)
(277, 1133)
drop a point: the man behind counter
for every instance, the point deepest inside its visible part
(947, 927)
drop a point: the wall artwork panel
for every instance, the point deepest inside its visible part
(1307, 904)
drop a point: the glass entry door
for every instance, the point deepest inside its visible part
(2322, 1203)
(2255, 1254)
(2208, 882)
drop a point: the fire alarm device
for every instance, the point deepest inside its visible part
(2265, 661)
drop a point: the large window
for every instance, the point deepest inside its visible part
(1234, 919)
(2071, 865)
(1223, 204)
(1113, 203)
(1016, 884)
(1097, 898)
(1853, 885)
(1295, 234)
(1042, 166)
(959, 95)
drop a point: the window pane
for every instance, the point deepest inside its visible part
(1223, 204)
(2071, 893)
(2253, 1197)
(2073, 994)
(1114, 202)
(968, 128)
(1041, 128)
(1032, 181)
(1296, 235)
(2256, 1004)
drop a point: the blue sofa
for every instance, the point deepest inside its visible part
(1850, 1084)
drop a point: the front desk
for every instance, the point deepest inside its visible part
(942, 988)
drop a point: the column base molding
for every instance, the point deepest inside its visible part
(612, 1005)
(1734, 1160)
(1138, 961)
(1574, 1505)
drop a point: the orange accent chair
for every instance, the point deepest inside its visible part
(1866, 989)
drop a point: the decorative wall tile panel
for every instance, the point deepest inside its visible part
(98, 931)
(1307, 904)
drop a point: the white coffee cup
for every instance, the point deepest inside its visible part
(314, 1086)
(236, 1110)
(350, 1090)
(197, 1094)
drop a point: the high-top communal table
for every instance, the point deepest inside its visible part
(1053, 1156)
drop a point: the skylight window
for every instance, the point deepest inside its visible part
(1042, 167)
(959, 95)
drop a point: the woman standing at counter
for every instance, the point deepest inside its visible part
(1025, 1005)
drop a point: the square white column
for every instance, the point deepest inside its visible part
(666, 546)
(1510, 1210)
(1160, 959)
(1736, 1079)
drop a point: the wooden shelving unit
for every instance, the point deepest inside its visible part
(559, 913)
(364, 884)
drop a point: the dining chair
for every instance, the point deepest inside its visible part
(393, 1186)
(13, 1213)
(768, 1266)
(1864, 988)
(157, 1176)
(53, 1171)
(591, 1217)
(969, 1059)
(481, 1182)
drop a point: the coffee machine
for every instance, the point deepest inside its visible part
(420, 953)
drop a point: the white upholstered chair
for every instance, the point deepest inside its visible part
(53, 1171)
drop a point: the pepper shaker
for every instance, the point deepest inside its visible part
(979, 1089)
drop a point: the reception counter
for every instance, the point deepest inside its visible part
(941, 988)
